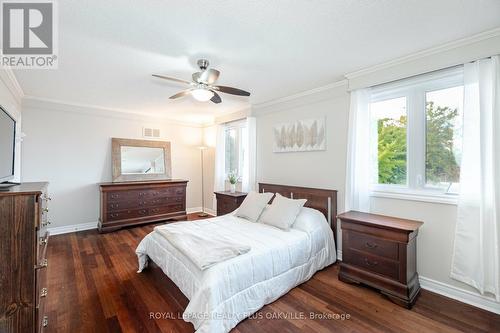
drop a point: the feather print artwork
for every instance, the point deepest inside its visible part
(302, 135)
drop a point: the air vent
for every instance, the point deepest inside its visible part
(149, 132)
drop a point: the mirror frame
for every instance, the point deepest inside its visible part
(117, 143)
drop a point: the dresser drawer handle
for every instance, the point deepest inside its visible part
(43, 240)
(43, 264)
(371, 263)
(43, 292)
(371, 245)
(114, 214)
(44, 224)
(45, 210)
(115, 196)
(46, 197)
(114, 206)
(45, 321)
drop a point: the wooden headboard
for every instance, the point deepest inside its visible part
(323, 200)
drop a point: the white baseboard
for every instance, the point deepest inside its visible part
(198, 209)
(464, 296)
(65, 229)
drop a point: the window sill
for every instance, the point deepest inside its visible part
(448, 199)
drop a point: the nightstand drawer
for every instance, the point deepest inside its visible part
(372, 263)
(372, 245)
(227, 202)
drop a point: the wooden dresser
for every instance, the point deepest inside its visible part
(133, 203)
(227, 202)
(23, 258)
(381, 251)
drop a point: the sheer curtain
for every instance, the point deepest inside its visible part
(476, 250)
(220, 173)
(358, 153)
(249, 155)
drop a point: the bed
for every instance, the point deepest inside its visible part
(228, 292)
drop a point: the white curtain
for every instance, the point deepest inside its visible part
(220, 147)
(249, 158)
(476, 259)
(358, 153)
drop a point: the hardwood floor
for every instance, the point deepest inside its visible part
(94, 287)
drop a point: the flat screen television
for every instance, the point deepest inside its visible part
(7, 145)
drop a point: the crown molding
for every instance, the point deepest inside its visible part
(301, 94)
(95, 110)
(9, 79)
(426, 53)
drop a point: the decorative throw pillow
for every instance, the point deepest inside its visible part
(253, 205)
(282, 212)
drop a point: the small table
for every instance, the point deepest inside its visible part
(228, 202)
(381, 252)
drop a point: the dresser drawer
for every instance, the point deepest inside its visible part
(166, 209)
(371, 245)
(127, 214)
(372, 263)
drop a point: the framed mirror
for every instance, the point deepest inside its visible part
(140, 160)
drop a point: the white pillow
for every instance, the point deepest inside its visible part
(309, 220)
(253, 205)
(282, 212)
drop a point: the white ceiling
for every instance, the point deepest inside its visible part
(109, 49)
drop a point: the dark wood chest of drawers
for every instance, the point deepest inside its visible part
(381, 251)
(228, 202)
(23, 258)
(133, 203)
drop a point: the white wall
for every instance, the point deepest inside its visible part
(72, 151)
(326, 169)
(322, 169)
(10, 102)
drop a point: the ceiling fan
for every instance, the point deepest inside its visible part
(202, 85)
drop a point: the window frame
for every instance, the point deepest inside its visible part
(415, 90)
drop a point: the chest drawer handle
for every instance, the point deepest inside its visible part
(371, 245)
(44, 263)
(43, 240)
(45, 321)
(371, 263)
(43, 292)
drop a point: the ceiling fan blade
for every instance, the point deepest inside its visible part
(232, 91)
(171, 78)
(208, 76)
(181, 94)
(216, 98)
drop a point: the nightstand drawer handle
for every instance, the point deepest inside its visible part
(370, 263)
(371, 245)
(45, 321)
(44, 292)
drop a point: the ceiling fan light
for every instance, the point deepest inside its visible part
(202, 95)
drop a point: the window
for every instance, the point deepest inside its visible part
(416, 133)
(235, 137)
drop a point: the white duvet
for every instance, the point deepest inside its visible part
(226, 293)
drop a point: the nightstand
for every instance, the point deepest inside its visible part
(381, 252)
(228, 202)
